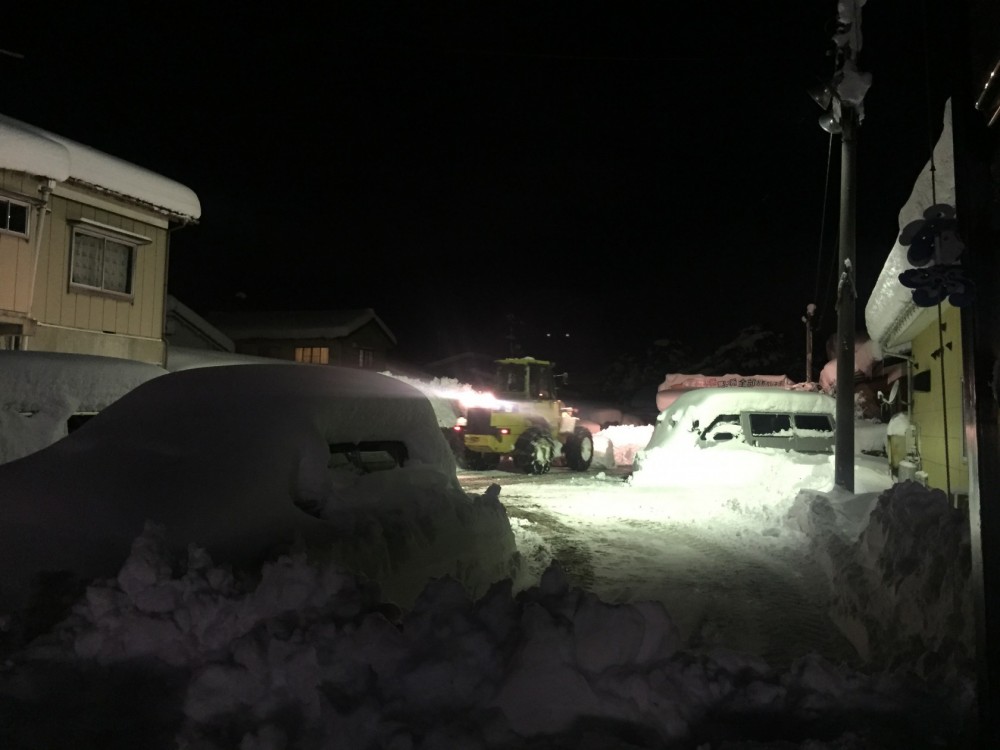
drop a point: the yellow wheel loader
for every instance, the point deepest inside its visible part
(525, 420)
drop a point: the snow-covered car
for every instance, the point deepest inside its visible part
(44, 396)
(244, 461)
(743, 436)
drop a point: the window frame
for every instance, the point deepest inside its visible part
(105, 234)
(791, 438)
(312, 355)
(366, 358)
(5, 227)
(731, 420)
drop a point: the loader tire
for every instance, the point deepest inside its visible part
(579, 449)
(533, 452)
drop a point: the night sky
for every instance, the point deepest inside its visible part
(617, 171)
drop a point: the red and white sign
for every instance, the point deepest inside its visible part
(678, 383)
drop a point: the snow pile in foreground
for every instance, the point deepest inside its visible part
(404, 527)
(307, 654)
(900, 573)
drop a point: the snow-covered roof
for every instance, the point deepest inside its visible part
(26, 148)
(890, 314)
(285, 324)
(183, 314)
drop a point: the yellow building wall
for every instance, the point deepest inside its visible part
(944, 460)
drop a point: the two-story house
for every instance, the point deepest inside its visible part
(84, 243)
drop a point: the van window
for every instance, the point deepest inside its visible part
(813, 433)
(806, 433)
(770, 425)
(818, 422)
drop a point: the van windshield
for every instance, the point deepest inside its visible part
(723, 427)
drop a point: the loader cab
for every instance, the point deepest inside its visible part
(525, 379)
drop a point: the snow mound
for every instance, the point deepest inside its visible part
(900, 573)
(306, 652)
(617, 445)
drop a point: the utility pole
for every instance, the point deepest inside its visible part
(842, 99)
(846, 302)
(808, 320)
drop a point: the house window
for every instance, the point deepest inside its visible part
(366, 358)
(14, 217)
(317, 355)
(102, 263)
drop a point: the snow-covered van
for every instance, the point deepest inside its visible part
(760, 423)
(760, 417)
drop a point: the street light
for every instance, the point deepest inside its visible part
(830, 123)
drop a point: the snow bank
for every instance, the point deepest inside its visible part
(306, 653)
(617, 445)
(899, 564)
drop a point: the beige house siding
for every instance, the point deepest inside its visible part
(929, 413)
(84, 322)
(16, 253)
(66, 184)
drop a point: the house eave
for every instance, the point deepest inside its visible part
(170, 215)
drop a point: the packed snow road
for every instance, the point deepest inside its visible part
(724, 563)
